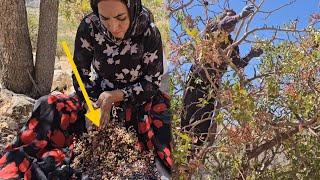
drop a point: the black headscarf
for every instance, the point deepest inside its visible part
(140, 17)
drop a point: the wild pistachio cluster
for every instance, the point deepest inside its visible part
(112, 153)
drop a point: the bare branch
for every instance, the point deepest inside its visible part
(278, 139)
(277, 9)
(179, 8)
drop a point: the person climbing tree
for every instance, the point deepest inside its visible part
(204, 78)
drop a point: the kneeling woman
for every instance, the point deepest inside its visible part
(118, 53)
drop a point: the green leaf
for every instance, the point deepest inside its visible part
(193, 32)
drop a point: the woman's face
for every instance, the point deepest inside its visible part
(115, 17)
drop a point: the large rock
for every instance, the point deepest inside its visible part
(15, 109)
(62, 81)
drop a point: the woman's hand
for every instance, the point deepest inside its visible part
(105, 102)
(247, 11)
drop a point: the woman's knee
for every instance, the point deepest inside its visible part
(39, 102)
(43, 110)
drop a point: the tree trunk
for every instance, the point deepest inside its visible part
(165, 81)
(46, 46)
(1, 59)
(16, 51)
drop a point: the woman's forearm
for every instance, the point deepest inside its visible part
(117, 95)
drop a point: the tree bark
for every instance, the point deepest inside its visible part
(46, 46)
(16, 51)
